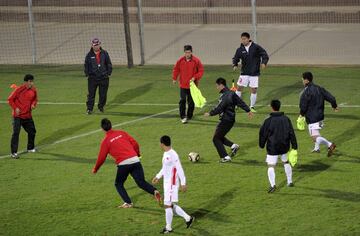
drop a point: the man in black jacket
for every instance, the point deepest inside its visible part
(252, 57)
(277, 133)
(226, 111)
(312, 107)
(98, 69)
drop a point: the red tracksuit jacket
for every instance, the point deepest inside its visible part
(187, 70)
(23, 98)
(120, 145)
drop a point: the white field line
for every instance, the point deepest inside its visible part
(98, 130)
(344, 105)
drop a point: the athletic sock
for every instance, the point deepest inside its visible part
(168, 216)
(238, 93)
(271, 176)
(180, 212)
(322, 140)
(288, 172)
(253, 99)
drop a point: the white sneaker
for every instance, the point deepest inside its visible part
(32, 150)
(184, 121)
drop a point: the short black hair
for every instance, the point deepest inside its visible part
(221, 80)
(275, 104)
(245, 34)
(166, 140)
(307, 75)
(28, 77)
(106, 124)
(187, 48)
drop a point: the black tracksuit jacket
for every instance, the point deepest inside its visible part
(95, 71)
(312, 102)
(226, 108)
(277, 133)
(250, 61)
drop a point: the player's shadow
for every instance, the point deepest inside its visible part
(281, 92)
(128, 95)
(61, 133)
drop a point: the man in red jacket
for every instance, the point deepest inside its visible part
(22, 101)
(188, 68)
(125, 151)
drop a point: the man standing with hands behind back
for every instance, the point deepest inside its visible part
(98, 69)
(188, 68)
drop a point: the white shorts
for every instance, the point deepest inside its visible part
(272, 159)
(170, 194)
(246, 80)
(314, 128)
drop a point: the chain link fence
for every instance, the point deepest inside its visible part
(293, 32)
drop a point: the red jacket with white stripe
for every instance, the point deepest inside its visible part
(120, 145)
(188, 70)
(25, 99)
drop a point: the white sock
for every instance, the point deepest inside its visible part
(168, 216)
(238, 93)
(271, 176)
(227, 158)
(317, 146)
(234, 146)
(322, 140)
(180, 212)
(288, 172)
(253, 99)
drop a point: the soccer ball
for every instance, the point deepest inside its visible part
(194, 157)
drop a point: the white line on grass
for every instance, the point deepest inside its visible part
(98, 130)
(169, 104)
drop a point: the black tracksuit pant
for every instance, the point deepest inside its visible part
(29, 127)
(185, 95)
(219, 138)
(137, 172)
(93, 84)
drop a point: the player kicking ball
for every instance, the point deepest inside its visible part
(174, 177)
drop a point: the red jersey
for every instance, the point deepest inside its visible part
(188, 70)
(120, 145)
(23, 98)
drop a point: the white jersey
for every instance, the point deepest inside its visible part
(172, 170)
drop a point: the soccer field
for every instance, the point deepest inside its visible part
(53, 192)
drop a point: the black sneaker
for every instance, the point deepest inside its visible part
(88, 112)
(234, 150)
(189, 223)
(272, 189)
(291, 185)
(166, 231)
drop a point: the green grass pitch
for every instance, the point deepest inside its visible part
(53, 192)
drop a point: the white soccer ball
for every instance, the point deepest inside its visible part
(194, 157)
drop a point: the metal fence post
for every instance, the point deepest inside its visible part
(254, 24)
(141, 32)
(32, 31)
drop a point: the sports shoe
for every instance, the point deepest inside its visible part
(252, 109)
(189, 223)
(272, 189)
(157, 196)
(234, 150)
(32, 150)
(224, 160)
(88, 112)
(184, 120)
(166, 231)
(291, 185)
(315, 151)
(14, 155)
(126, 205)
(331, 149)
